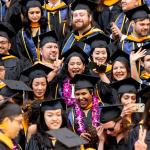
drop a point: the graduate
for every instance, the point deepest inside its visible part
(83, 26)
(84, 116)
(12, 64)
(139, 18)
(34, 24)
(10, 117)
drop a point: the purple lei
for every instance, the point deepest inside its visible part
(95, 115)
(14, 147)
(67, 90)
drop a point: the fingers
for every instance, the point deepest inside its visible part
(86, 136)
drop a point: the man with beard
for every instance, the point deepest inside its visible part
(12, 64)
(140, 21)
(83, 26)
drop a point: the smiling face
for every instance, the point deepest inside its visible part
(119, 71)
(75, 66)
(129, 4)
(4, 45)
(53, 119)
(34, 14)
(99, 55)
(84, 97)
(39, 86)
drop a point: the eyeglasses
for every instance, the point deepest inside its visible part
(111, 129)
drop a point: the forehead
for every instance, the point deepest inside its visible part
(75, 58)
(81, 11)
(34, 9)
(99, 50)
(52, 111)
(3, 38)
(145, 21)
(129, 94)
(147, 57)
(108, 124)
(82, 90)
(51, 44)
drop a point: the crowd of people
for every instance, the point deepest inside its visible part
(74, 74)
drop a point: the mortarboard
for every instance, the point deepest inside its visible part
(6, 30)
(140, 12)
(86, 5)
(128, 85)
(82, 81)
(119, 55)
(32, 3)
(75, 51)
(37, 70)
(53, 104)
(45, 38)
(71, 140)
(146, 46)
(110, 113)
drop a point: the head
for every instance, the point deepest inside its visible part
(5, 45)
(120, 70)
(84, 97)
(129, 4)
(2, 72)
(52, 119)
(10, 118)
(50, 51)
(81, 19)
(146, 63)
(141, 27)
(113, 128)
(128, 98)
(39, 86)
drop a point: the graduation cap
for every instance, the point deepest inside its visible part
(119, 55)
(36, 71)
(53, 104)
(75, 51)
(82, 81)
(146, 46)
(140, 12)
(110, 113)
(86, 5)
(32, 3)
(6, 30)
(45, 38)
(69, 139)
(128, 85)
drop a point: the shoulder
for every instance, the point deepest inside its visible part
(3, 146)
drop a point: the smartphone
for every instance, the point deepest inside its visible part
(140, 107)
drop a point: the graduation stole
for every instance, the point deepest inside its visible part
(108, 68)
(35, 25)
(46, 6)
(93, 30)
(110, 2)
(138, 40)
(145, 75)
(7, 141)
(2, 85)
(8, 57)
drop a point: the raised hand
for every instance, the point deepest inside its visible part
(116, 33)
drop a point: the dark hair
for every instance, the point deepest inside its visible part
(141, 19)
(126, 64)
(42, 21)
(41, 125)
(147, 115)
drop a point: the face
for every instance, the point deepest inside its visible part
(99, 55)
(129, 4)
(141, 27)
(81, 19)
(119, 71)
(50, 51)
(75, 66)
(16, 124)
(128, 98)
(53, 119)
(2, 72)
(146, 63)
(84, 97)
(112, 128)
(39, 86)
(34, 14)
(4, 45)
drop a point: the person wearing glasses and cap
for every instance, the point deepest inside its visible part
(34, 24)
(83, 25)
(84, 116)
(10, 118)
(140, 36)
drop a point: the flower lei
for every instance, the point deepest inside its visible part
(95, 115)
(66, 93)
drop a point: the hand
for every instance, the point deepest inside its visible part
(116, 33)
(100, 133)
(140, 143)
(128, 109)
(136, 56)
(86, 136)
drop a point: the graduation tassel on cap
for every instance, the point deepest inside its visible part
(38, 49)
